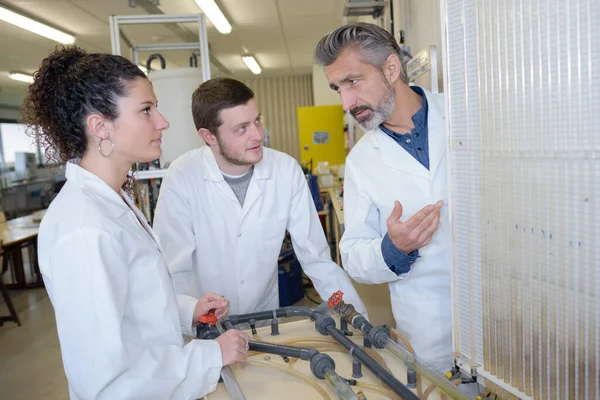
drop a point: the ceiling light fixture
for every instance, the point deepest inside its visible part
(252, 65)
(17, 76)
(215, 15)
(35, 27)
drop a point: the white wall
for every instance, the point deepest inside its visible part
(10, 113)
(421, 22)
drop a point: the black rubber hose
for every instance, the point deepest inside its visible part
(357, 352)
(258, 316)
(366, 360)
(266, 315)
(163, 63)
(303, 353)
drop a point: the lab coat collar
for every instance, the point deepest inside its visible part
(402, 160)
(212, 172)
(92, 183)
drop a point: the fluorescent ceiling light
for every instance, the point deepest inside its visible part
(214, 14)
(252, 64)
(17, 76)
(35, 27)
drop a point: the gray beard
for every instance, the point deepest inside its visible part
(381, 113)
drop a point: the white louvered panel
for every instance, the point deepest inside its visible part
(278, 98)
(466, 198)
(523, 84)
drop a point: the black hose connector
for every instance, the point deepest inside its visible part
(344, 327)
(360, 323)
(323, 323)
(274, 327)
(252, 323)
(378, 336)
(163, 63)
(226, 324)
(320, 363)
(193, 60)
(366, 342)
(206, 331)
(411, 378)
(356, 369)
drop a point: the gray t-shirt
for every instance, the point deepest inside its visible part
(239, 184)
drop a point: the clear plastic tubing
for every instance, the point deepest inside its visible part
(342, 388)
(232, 385)
(428, 373)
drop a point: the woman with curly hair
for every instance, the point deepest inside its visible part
(119, 322)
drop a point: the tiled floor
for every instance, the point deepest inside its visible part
(30, 363)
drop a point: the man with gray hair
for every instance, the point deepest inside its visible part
(395, 188)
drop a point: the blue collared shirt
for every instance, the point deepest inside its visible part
(415, 143)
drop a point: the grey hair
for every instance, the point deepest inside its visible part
(373, 43)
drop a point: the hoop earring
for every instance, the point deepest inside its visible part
(112, 149)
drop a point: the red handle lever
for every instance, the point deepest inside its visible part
(209, 318)
(335, 299)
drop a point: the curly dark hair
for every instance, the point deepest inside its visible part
(69, 85)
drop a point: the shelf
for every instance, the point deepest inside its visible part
(152, 173)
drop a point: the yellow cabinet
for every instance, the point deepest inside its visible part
(321, 134)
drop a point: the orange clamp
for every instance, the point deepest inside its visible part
(335, 299)
(209, 318)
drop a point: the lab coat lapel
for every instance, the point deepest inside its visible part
(118, 205)
(394, 156)
(213, 173)
(253, 194)
(437, 138)
(263, 170)
(142, 218)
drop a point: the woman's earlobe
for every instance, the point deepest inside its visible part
(96, 126)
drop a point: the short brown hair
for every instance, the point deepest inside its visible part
(216, 95)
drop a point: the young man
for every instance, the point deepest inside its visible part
(224, 208)
(395, 187)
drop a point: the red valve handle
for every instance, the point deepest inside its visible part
(209, 318)
(335, 299)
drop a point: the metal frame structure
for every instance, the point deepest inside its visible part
(202, 45)
(378, 9)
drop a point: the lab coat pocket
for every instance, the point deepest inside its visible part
(270, 237)
(425, 320)
(151, 298)
(267, 244)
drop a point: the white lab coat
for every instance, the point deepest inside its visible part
(116, 311)
(379, 171)
(212, 243)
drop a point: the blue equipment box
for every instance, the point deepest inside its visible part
(290, 279)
